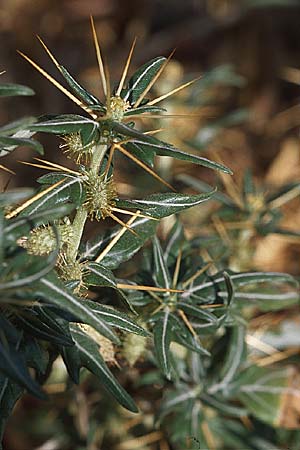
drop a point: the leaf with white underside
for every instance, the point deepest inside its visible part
(91, 358)
(9, 143)
(116, 318)
(126, 246)
(69, 190)
(162, 333)
(65, 124)
(239, 280)
(52, 290)
(141, 79)
(162, 205)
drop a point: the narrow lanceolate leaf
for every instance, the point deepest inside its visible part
(163, 205)
(264, 392)
(160, 270)
(98, 275)
(162, 333)
(69, 190)
(223, 406)
(64, 124)
(41, 330)
(8, 144)
(142, 153)
(234, 358)
(241, 279)
(13, 365)
(174, 242)
(125, 248)
(9, 89)
(143, 109)
(52, 290)
(17, 125)
(82, 93)
(141, 79)
(163, 149)
(116, 318)
(91, 359)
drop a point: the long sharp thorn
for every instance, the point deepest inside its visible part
(50, 166)
(7, 170)
(162, 116)
(162, 68)
(99, 57)
(108, 92)
(144, 166)
(58, 166)
(177, 268)
(125, 211)
(33, 199)
(168, 94)
(50, 54)
(126, 67)
(58, 85)
(120, 222)
(116, 238)
(135, 287)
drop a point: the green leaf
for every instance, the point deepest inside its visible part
(9, 90)
(239, 279)
(126, 246)
(116, 318)
(174, 243)
(17, 125)
(141, 79)
(163, 149)
(54, 292)
(98, 275)
(69, 190)
(143, 109)
(198, 312)
(143, 153)
(80, 92)
(201, 186)
(261, 390)
(236, 354)
(44, 326)
(91, 358)
(71, 358)
(8, 144)
(163, 334)
(165, 204)
(223, 406)
(161, 273)
(13, 365)
(65, 124)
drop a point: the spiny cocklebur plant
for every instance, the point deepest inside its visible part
(59, 292)
(48, 269)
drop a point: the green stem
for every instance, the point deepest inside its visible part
(81, 214)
